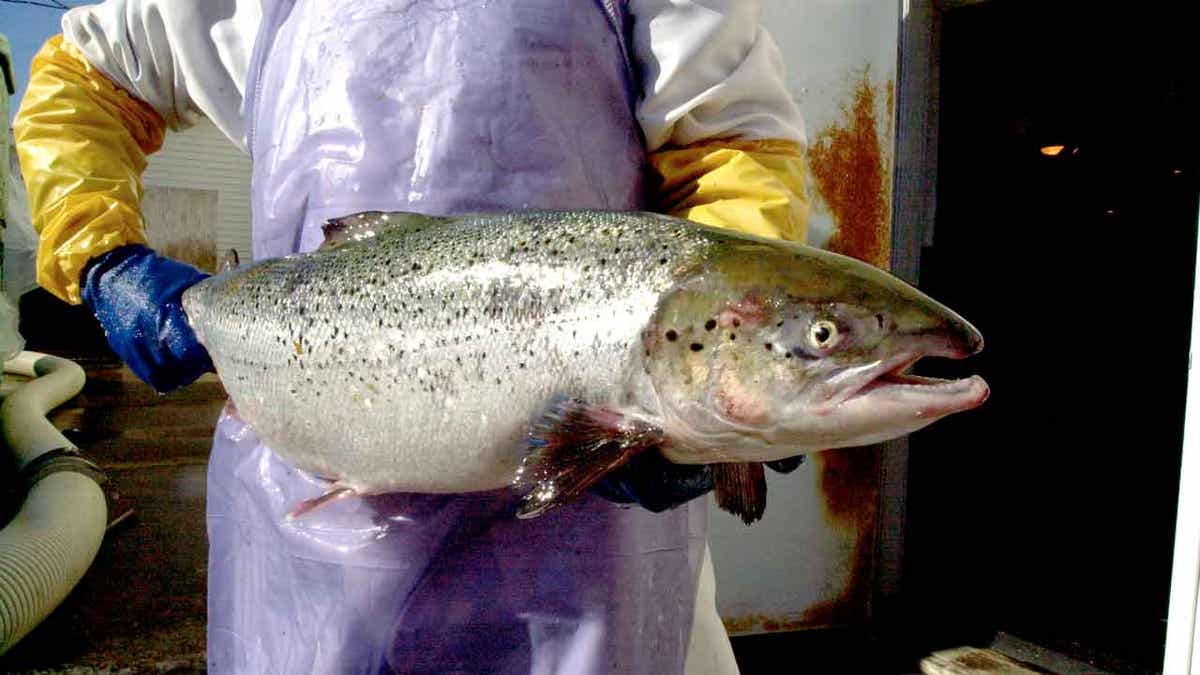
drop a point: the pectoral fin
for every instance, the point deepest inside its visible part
(741, 489)
(573, 445)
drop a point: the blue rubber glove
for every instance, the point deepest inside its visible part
(135, 294)
(656, 484)
(786, 465)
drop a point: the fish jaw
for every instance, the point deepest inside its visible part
(887, 377)
(883, 402)
(859, 406)
(901, 404)
(878, 399)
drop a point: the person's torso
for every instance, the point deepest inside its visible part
(438, 107)
(441, 107)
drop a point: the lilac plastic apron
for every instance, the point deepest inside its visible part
(438, 107)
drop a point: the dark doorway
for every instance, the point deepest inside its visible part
(1050, 512)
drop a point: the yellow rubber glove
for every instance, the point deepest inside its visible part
(755, 187)
(83, 143)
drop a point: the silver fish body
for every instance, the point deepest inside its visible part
(415, 359)
(416, 353)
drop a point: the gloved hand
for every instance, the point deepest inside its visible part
(656, 484)
(135, 294)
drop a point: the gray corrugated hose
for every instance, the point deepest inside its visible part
(51, 542)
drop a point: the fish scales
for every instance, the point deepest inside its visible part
(422, 357)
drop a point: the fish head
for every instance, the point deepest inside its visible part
(767, 350)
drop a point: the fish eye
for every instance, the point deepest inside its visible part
(823, 334)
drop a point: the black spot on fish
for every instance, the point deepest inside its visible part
(769, 346)
(710, 324)
(733, 336)
(779, 325)
(672, 335)
(696, 346)
(736, 322)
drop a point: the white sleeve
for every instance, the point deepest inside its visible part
(710, 71)
(186, 58)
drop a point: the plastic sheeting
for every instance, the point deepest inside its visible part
(437, 107)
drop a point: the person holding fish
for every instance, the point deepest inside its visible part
(440, 108)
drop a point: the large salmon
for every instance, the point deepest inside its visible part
(544, 349)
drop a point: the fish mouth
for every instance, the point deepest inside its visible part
(892, 382)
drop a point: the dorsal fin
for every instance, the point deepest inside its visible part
(229, 261)
(367, 224)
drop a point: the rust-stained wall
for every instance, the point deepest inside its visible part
(851, 169)
(811, 562)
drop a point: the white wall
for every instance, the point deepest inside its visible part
(826, 45)
(811, 562)
(203, 158)
(1183, 640)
